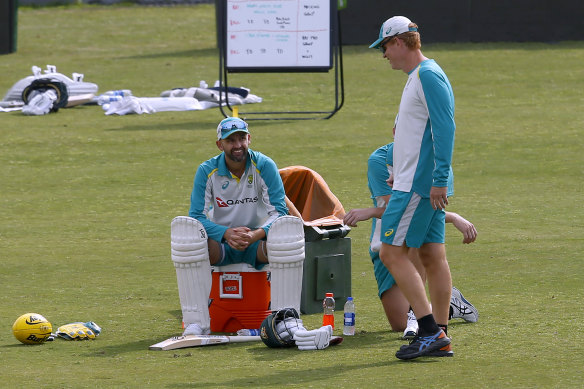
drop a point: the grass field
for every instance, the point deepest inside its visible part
(87, 199)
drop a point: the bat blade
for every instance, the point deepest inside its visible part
(185, 341)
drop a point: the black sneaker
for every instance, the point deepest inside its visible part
(445, 351)
(423, 345)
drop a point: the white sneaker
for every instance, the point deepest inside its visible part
(461, 308)
(195, 329)
(411, 326)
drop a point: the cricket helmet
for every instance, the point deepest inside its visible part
(43, 85)
(275, 331)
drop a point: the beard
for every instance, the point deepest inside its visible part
(237, 158)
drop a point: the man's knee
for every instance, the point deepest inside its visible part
(432, 254)
(390, 255)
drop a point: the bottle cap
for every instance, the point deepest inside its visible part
(349, 298)
(329, 294)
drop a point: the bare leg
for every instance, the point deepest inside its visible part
(262, 253)
(433, 257)
(396, 308)
(214, 251)
(407, 277)
(415, 258)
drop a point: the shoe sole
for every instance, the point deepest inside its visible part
(435, 353)
(440, 354)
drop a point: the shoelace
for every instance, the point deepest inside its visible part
(460, 306)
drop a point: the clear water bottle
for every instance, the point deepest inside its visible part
(328, 308)
(248, 332)
(349, 317)
(106, 99)
(119, 92)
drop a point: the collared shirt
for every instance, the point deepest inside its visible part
(220, 200)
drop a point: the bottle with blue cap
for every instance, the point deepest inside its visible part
(349, 317)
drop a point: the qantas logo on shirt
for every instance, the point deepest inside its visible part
(226, 203)
(221, 203)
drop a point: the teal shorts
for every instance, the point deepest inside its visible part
(410, 219)
(229, 256)
(384, 278)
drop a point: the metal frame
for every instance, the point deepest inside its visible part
(339, 94)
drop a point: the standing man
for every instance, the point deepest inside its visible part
(422, 154)
(237, 215)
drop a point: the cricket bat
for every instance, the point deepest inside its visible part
(200, 340)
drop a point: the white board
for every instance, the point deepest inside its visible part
(277, 35)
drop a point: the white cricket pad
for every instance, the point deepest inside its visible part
(285, 244)
(190, 254)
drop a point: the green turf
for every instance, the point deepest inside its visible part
(86, 201)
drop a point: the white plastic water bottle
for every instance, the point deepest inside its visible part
(118, 92)
(349, 317)
(248, 332)
(106, 99)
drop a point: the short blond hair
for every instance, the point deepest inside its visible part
(411, 38)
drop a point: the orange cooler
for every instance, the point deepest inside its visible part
(240, 298)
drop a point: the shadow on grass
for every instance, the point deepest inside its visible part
(122, 348)
(458, 322)
(191, 125)
(196, 53)
(174, 125)
(305, 377)
(19, 345)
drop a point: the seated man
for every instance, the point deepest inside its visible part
(237, 215)
(396, 306)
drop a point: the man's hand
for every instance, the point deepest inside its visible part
(389, 181)
(468, 230)
(438, 197)
(238, 237)
(241, 238)
(356, 215)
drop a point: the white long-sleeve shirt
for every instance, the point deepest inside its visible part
(424, 132)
